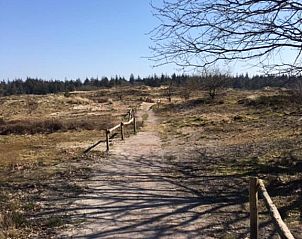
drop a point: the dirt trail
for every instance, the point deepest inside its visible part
(131, 194)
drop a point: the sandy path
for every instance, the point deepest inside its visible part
(131, 196)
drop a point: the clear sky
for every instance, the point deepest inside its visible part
(54, 39)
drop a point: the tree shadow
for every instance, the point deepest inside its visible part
(141, 198)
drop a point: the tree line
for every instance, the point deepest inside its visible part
(42, 87)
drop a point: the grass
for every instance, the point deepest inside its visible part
(54, 221)
(191, 121)
(252, 133)
(26, 188)
(26, 151)
(225, 137)
(145, 117)
(12, 216)
(42, 139)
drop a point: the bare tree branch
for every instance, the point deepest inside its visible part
(202, 33)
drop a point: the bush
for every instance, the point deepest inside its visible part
(271, 101)
(102, 100)
(67, 94)
(31, 127)
(50, 126)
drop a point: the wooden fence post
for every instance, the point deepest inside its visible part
(107, 139)
(134, 124)
(122, 130)
(281, 227)
(130, 114)
(254, 184)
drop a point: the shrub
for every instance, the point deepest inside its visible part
(102, 100)
(67, 94)
(51, 125)
(274, 100)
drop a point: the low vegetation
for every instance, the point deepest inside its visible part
(42, 140)
(53, 125)
(237, 135)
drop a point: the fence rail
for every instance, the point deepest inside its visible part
(121, 125)
(257, 185)
(132, 119)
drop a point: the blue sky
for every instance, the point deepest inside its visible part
(69, 39)
(54, 39)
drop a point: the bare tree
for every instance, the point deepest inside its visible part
(200, 33)
(170, 90)
(213, 81)
(188, 87)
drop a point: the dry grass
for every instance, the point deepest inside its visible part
(242, 134)
(36, 126)
(11, 216)
(41, 137)
(21, 151)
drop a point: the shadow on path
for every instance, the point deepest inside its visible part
(135, 194)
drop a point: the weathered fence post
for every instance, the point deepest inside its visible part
(254, 184)
(280, 226)
(134, 124)
(122, 130)
(130, 114)
(107, 139)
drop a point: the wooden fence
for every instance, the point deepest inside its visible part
(257, 185)
(121, 126)
(131, 120)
